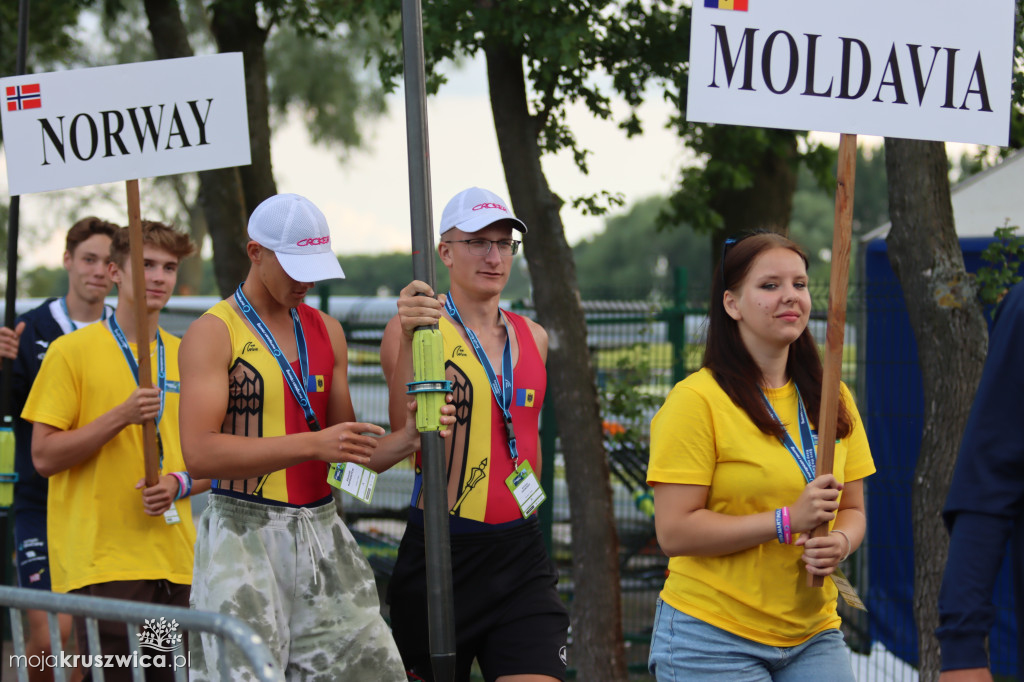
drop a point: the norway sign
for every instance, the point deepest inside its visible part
(106, 124)
(921, 69)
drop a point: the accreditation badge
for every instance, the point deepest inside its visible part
(171, 515)
(354, 479)
(847, 590)
(526, 489)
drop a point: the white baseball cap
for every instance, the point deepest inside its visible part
(296, 231)
(474, 209)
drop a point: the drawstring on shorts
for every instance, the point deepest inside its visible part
(306, 527)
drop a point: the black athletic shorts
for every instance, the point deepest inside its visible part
(32, 549)
(508, 614)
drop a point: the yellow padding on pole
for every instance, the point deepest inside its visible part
(428, 366)
(7, 475)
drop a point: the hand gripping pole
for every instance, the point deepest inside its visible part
(429, 386)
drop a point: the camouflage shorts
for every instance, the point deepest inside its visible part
(320, 618)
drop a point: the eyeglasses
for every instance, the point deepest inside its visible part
(482, 247)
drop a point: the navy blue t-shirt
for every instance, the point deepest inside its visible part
(42, 325)
(985, 506)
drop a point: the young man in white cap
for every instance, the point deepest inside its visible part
(508, 614)
(108, 536)
(265, 410)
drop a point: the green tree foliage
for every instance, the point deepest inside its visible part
(741, 177)
(813, 221)
(635, 255)
(45, 282)
(1004, 256)
(51, 38)
(812, 224)
(324, 81)
(871, 193)
(633, 258)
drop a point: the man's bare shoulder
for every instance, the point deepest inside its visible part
(206, 340)
(539, 333)
(206, 325)
(540, 337)
(332, 324)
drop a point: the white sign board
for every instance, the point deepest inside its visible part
(111, 123)
(921, 69)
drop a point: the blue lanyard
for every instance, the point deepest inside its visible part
(297, 387)
(64, 306)
(502, 389)
(805, 455)
(161, 360)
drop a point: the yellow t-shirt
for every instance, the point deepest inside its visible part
(701, 437)
(97, 529)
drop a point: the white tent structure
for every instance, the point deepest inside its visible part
(983, 202)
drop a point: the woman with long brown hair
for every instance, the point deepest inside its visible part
(735, 493)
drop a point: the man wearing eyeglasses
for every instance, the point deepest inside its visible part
(508, 614)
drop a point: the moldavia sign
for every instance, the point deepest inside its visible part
(112, 123)
(921, 69)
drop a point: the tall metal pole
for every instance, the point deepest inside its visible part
(440, 602)
(12, 230)
(6, 417)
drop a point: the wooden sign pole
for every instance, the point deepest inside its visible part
(841, 237)
(141, 313)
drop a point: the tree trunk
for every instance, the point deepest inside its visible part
(598, 652)
(220, 196)
(220, 190)
(951, 340)
(768, 201)
(236, 27)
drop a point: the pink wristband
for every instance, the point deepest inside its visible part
(181, 485)
(786, 532)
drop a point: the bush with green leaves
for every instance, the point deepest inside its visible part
(1005, 255)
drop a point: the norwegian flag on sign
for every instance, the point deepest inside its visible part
(24, 97)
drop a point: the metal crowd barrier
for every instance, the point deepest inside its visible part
(133, 614)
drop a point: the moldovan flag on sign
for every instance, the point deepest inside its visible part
(524, 397)
(24, 97)
(739, 5)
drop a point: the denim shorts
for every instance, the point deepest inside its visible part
(684, 648)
